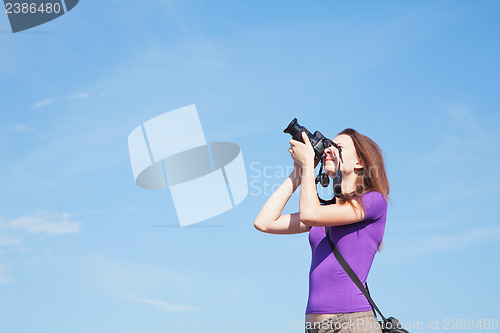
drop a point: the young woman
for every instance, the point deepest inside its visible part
(356, 226)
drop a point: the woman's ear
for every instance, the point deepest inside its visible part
(359, 164)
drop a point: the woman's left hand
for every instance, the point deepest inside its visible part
(302, 153)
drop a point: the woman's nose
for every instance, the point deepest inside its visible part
(329, 150)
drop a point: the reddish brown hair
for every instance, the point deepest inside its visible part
(373, 176)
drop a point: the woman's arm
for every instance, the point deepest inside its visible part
(312, 213)
(270, 219)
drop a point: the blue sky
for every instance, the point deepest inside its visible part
(82, 248)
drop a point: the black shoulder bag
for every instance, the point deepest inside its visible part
(388, 325)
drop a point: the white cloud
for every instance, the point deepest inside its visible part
(39, 223)
(4, 279)
(81, 95)
(21, 128)
(5, 241)
(418, 248)
(460, 156)
(43, 103)
(42, 223)
(169, 307)
(460, 239)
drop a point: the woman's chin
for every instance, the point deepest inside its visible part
(329, 166)
(330, 172)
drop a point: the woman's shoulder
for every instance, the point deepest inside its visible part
(374, 196)
(374, 204)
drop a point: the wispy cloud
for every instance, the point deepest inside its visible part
(21, 128)
(460, 239)
(43, 103)
(4, 279)
(80, 95)
(421, 247)
(132, 281)
(48, 101)
(54, 224)
(6, 241)
(459, 160)
(39, 223)
(165, 306)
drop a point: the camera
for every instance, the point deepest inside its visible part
(319, 143)
(318, 140)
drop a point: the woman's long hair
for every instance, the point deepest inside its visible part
(373, 176)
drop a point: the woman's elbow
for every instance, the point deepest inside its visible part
(306, 218)
(259, 225)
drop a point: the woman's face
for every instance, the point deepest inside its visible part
(349, 156)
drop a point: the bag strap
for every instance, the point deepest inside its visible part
(351, 274)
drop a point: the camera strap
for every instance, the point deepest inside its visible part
(324, 180)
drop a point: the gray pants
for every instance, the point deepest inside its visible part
(353, 322)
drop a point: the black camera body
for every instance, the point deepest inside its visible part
(318, 140)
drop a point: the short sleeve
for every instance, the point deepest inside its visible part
(375, 205)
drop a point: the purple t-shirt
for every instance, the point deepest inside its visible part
(330, 288)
